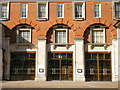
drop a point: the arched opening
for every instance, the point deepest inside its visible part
(59, 33)
(21, 33)
(22, 62)
(97, 62)
(60, 63)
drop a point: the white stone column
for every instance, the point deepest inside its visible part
(1, 55)
(79, 60)
(118, 30)
(41, 66)
(114, 60)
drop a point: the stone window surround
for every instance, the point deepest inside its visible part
(46, 17)
(83, 10)
(113, 9)
(8, 4)
(26, 11)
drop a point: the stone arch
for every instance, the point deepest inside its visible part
(12, 24)
(50, 32)
(86, 34)
(13, 33)
(68, 23)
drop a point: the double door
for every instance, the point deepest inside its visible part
(22, 66)
(60, 67)
(99, 68)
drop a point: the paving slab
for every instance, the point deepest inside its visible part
(58, 84)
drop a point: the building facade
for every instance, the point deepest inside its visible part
(53, 40)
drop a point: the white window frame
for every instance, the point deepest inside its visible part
(8, 4)
(46, 16)
(62, 10)
(22, 29)
(83, 10)
(26, 11)
(113, 10)
(99, 29)
(61, 29)
(100, 7)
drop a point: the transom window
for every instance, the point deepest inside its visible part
(24, 35)
(97, 10)
(42, 11)
(98, 35)
(61, 36)
(24, 10)
(117, 10)
(60, 10)
(4, 10)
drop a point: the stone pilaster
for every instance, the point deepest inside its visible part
(114, 60)
(41, 66)
(79, 60)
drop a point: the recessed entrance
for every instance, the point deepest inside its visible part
(22, 66)
(60, 66)
(98, 67)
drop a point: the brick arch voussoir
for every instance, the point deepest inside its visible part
(71, 25)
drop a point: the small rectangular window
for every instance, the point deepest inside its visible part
(60, 36)
(97, 36)
(78, 10)
(60, 10)
(42, 10)
(97, 10)
(4, 10)
(117, 10)
(24, 36)
(24, 10)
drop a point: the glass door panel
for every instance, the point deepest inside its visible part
(66, 70)
(91, 70)
(105, 70)
(53, 70)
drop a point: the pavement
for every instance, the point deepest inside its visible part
(57, 84)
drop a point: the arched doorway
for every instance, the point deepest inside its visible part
(60, 63)
(97, 61)
(22, 62)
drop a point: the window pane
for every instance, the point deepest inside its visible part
(3, 10)
(94, 55)
(97, 36)
(60, 9)
(100, 56)
(23, 10)
(24, 36)
(107, 56)
(117, 10)
(60, 36)
(41, 10)
(78, 10)
(96, 10)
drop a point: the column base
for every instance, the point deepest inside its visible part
(40, 78)
(115, 78)
(80, 79)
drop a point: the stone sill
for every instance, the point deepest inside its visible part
(42, 19)
(4, 19)
(79, 19)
